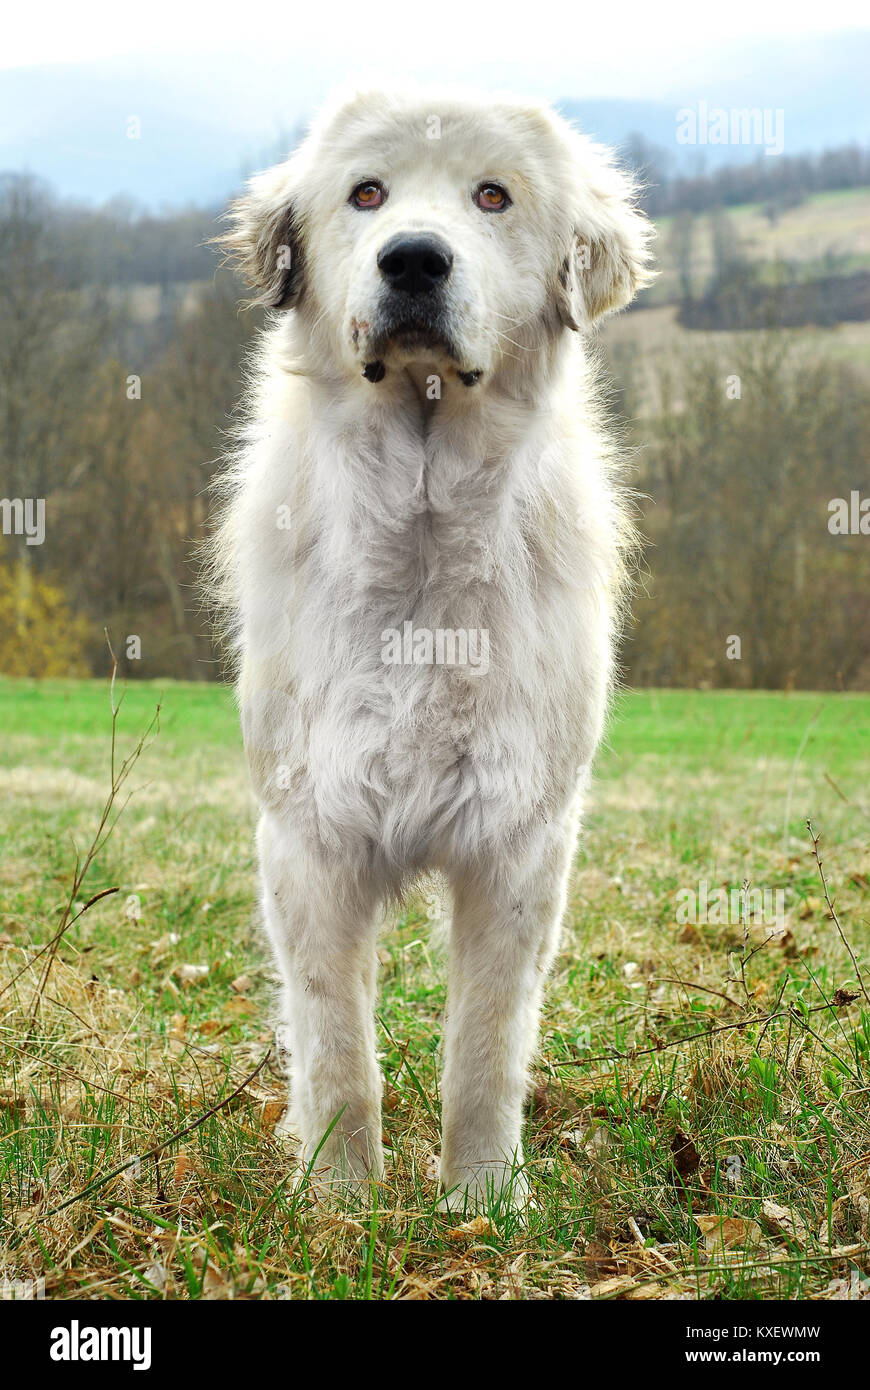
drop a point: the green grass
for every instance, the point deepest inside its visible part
(126, 1050)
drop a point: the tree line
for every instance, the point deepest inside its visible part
(775, 183)
(117, 420)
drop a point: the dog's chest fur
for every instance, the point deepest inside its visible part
(410, 543)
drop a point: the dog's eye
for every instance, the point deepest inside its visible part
(368, 195)
(491, 197)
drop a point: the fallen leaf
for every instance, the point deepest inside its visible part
(240, 1007)
(572, 1139)
(272, 1112)
(651, 1103)
(728, 1231)
(214, 1285)
(608, 1287)
(470, 1230)
(157, 1275)
(597, 1259)
(644, 1292)
(784, 1221)
(686, 1159)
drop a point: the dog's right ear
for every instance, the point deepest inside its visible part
(264, 240)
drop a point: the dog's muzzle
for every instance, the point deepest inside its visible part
(415, 267)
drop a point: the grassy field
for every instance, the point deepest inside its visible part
(698, 1125)
(639, 344)
(834, 224)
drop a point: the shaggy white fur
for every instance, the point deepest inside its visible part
(422, 547)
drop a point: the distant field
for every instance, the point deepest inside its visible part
(657, 327)
(835, 224)
(653, 335)
(828, 224)
(733, 1164)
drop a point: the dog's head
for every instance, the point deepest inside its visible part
(465, 233)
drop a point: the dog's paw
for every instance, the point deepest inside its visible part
(487, 1188)
(340, 1175)
(327, 1187)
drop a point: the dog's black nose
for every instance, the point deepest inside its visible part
(416, 264)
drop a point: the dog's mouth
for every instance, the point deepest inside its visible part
(417, 334)
(412, 330)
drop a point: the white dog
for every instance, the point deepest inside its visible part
(422, 547)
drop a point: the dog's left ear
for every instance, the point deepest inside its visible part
(608, 259)
(264, 240)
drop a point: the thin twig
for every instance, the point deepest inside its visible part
(791, 780)
(831, 909)
(616, 1056)
(856, 805)
(103, 832)
(650, 1249)
(58, 1068)
(157, 1150)
(703, 989)
(744, 921)
(103, 893)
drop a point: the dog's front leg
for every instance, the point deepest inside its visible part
(504, 935)
(321, 920)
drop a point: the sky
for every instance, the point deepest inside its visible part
(634, 49)
(220, 87)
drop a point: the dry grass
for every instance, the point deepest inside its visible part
(666, 1159)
